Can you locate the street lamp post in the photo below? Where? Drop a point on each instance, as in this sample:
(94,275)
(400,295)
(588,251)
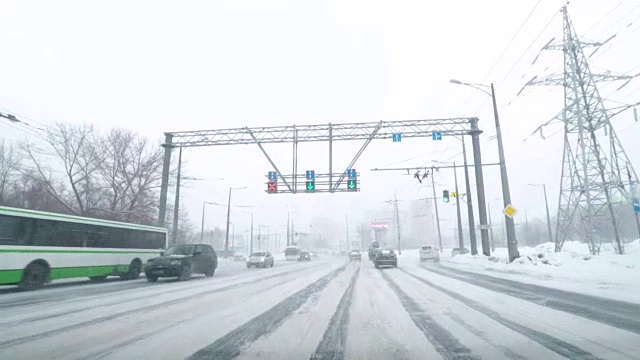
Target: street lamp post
(435,202)
(546,205)
(460,234)
(176,210)
(226,233)
(204,203)
(472,225)
(512,243)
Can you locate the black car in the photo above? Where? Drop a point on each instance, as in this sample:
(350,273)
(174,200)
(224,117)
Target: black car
(304,256)
(181,261)
(385,257)
(355,255)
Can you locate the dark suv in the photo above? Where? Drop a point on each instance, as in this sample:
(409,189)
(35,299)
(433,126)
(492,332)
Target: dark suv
(181,261)
(385,257)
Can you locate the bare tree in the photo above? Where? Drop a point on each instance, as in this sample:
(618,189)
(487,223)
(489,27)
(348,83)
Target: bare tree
(9,169)
(71,149)
(131,171)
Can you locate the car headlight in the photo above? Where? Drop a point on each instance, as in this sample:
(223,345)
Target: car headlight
(175,262)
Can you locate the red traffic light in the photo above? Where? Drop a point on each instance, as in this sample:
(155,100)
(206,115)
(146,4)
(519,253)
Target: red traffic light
(272,187)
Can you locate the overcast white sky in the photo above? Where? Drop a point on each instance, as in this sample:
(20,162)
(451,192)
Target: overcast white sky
(157,66)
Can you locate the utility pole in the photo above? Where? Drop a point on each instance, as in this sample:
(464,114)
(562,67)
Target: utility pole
(259,240)
(293,234)
(472,223)
(268,238)
(633,197)
(435,203)
(546,204)
(512,243)
(233,235)
(176,210)
(460,235)
(395,202)
(493,244)
(346,223)
(251,239)
(288,230)
(226,233)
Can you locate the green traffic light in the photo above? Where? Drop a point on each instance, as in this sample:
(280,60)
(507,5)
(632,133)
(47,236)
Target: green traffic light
(351,185)
(311,186)
(445,196)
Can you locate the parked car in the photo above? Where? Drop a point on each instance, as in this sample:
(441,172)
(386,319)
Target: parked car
(385,257)
(429,253)
(182,261)
(355,255)
(260,259)
(304,256)
(459,251)
(239,258)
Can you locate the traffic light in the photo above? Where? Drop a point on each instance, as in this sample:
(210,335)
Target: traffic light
(352,185)
(272,187)
(311,186)
(445,196)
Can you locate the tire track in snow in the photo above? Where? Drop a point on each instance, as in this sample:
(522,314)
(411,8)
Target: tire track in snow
(333,341)
(230,345)
(508,352)
(444,342)
(21,340)
(619,314)
(552,343)
(111,349)
(137,299)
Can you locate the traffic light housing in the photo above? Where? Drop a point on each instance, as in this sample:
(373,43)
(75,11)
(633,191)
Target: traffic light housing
(352,185)
(310,186)
(445,196)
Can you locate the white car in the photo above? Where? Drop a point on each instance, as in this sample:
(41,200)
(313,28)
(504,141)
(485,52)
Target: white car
(429,253)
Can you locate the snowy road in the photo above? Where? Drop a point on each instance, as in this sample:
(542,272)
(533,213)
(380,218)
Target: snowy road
(325,309)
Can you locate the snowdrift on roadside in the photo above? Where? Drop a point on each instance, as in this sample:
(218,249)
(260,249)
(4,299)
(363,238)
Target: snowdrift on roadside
(571,267)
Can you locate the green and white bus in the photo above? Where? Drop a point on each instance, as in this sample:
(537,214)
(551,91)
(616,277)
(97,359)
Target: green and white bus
(37,247)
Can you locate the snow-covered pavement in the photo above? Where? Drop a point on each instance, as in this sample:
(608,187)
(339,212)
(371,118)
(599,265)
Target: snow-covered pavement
(324,309)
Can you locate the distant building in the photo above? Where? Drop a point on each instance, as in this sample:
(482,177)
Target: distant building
(422,223)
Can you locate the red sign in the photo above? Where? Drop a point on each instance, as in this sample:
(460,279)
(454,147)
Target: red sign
(272,187)
(379,226)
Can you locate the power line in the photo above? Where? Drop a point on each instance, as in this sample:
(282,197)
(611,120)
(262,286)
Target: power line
(511,41)
(505,50)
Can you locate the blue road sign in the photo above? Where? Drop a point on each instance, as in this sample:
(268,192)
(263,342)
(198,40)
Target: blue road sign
(351,173)
(311,175)
(273,176)
(436,135)
(636,205)
(396,137)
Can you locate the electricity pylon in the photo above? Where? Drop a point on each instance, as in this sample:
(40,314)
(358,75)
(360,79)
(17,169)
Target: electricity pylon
(592,169)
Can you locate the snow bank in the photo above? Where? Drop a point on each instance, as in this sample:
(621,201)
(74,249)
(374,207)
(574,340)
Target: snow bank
(574,268)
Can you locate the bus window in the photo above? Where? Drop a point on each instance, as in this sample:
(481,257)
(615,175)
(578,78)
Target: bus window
(13,230)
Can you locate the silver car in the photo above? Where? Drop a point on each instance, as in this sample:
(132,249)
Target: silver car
(260,259)
(429,253)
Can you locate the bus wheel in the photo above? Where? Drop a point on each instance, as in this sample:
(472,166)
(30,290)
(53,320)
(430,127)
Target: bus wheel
(34,276)
(97,278)
(134,271)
